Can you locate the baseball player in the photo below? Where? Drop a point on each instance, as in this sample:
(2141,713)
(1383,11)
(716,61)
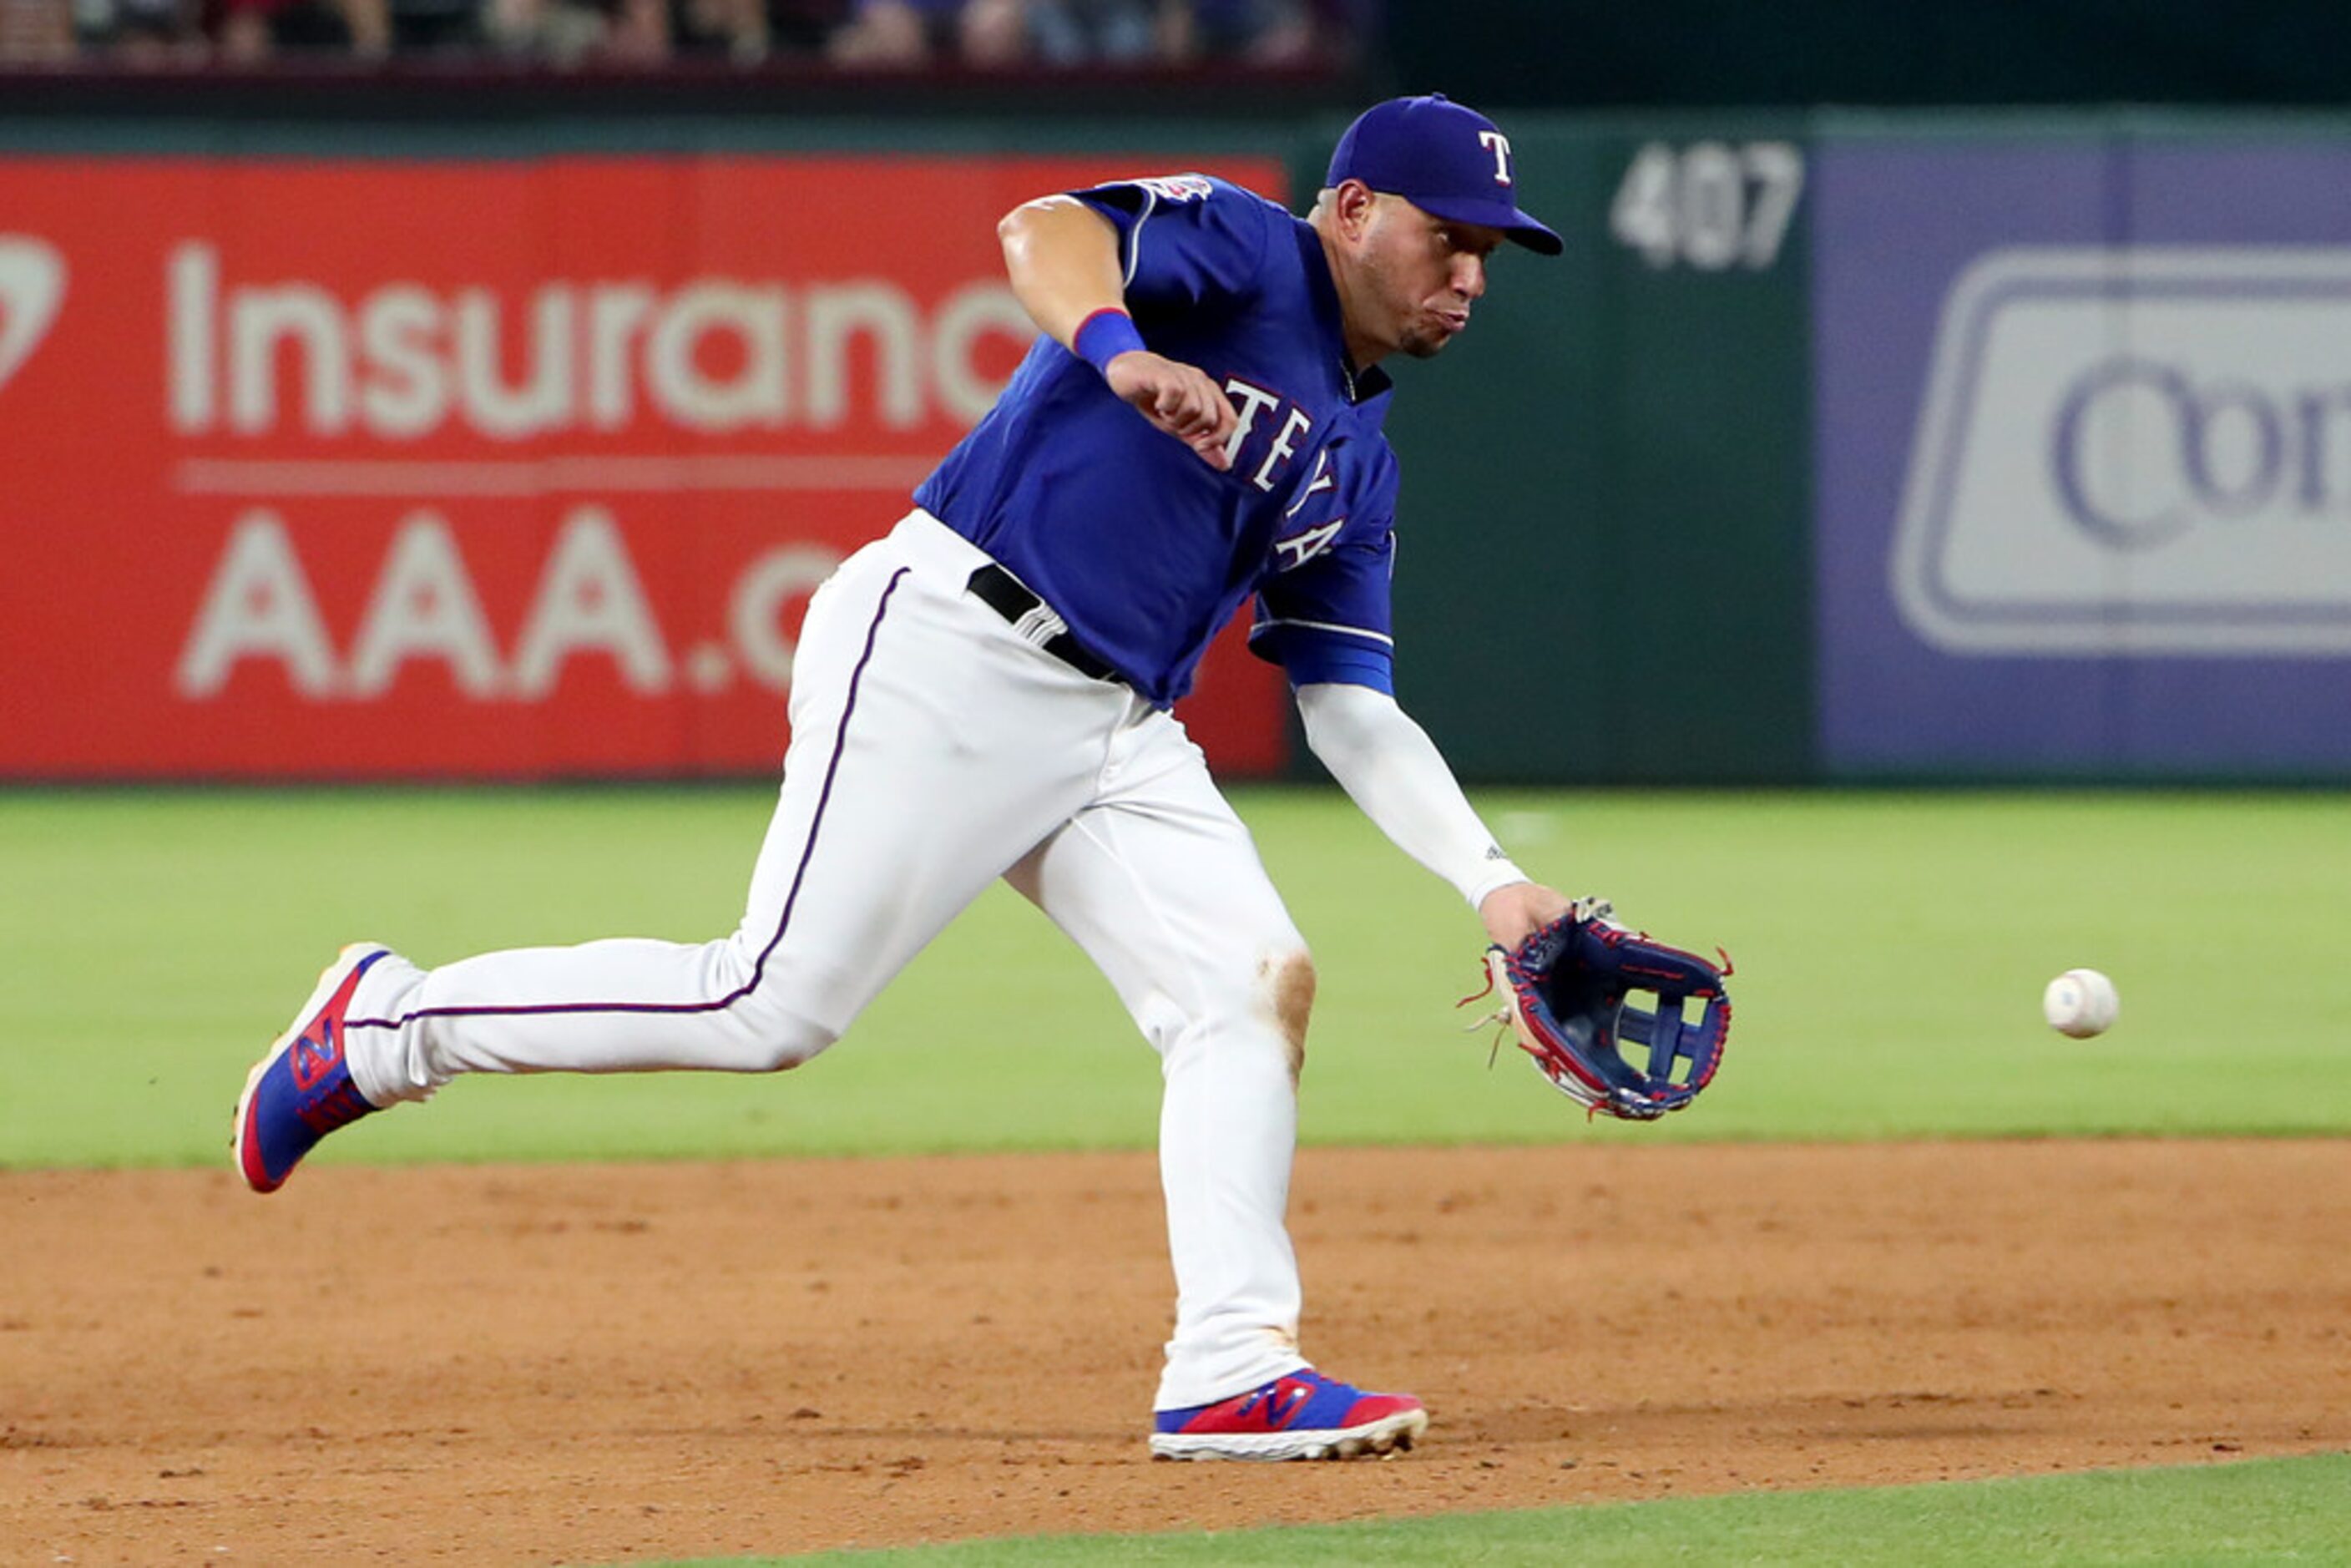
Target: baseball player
(984,693)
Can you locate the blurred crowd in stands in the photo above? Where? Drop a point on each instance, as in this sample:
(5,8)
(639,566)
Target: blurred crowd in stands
(852,34)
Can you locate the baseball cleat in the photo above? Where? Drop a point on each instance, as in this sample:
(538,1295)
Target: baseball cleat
(1303,1416)
(302,1089)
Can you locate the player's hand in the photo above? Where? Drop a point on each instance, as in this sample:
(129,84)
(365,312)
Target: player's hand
(1179,399)
(1514,912)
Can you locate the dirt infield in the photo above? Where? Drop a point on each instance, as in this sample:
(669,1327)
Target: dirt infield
(592,1364)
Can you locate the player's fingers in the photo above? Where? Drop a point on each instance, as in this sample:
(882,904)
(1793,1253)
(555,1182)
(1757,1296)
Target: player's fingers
(1168,413)
(1215,441)
(1205,409)
(1208,423)
(1195,394)
(1222,418)
(1189,407)
(1212,449)
(1175,408)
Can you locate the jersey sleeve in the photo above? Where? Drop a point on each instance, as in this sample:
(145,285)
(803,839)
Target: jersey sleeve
(1328,620)
(1186,239)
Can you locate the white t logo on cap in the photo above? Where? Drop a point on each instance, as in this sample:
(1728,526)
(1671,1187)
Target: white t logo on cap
(1499,144)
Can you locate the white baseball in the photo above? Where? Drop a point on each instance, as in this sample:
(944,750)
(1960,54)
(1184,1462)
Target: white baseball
(2081,1003)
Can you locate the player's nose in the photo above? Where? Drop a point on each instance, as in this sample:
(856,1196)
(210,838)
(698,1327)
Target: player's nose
(1470,276)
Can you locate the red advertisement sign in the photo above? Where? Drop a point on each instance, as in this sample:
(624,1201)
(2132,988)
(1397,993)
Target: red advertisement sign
(381,469)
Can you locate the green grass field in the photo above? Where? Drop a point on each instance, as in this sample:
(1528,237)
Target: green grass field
(1891,951)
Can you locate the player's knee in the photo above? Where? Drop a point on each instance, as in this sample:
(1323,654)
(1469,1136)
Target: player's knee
(1288,979)
(780,1049)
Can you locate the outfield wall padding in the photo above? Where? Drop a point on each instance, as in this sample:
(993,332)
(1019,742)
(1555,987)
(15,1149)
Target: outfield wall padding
(1837,448)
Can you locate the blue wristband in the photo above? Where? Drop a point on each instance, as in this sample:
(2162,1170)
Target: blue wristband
(1104,336)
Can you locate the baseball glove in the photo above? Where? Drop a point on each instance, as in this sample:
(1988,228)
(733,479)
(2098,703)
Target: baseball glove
(1565,996)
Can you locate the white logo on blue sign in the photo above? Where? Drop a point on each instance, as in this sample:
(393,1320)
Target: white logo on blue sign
(2136,450)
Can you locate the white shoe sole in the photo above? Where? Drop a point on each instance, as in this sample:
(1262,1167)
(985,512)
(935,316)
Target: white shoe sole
(329,978)
(1390,1434)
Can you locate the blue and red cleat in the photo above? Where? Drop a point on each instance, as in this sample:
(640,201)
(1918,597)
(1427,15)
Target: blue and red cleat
(302,1089)
(1303,1416)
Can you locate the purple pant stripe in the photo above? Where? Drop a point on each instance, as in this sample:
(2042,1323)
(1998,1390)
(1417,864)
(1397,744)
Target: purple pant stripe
(783,923)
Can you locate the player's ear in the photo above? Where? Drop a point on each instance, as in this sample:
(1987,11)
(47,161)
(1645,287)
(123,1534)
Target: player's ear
(1352,203)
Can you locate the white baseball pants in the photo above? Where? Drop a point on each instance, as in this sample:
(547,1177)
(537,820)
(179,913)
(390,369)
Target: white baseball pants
(932,750)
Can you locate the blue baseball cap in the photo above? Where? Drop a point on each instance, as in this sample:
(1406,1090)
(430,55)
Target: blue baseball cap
(1444,158)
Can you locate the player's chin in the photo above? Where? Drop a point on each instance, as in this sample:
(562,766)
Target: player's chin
(1427,343)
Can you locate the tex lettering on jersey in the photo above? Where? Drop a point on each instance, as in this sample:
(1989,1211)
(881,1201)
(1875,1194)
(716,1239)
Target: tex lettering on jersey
(1290,426)
(1301,544)
(1322,603)
(1291,553)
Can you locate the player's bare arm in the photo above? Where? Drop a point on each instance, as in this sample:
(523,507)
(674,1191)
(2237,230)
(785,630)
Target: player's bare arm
(1063,258)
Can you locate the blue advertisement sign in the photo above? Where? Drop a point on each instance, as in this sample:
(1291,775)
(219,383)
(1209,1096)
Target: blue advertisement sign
(2082,456)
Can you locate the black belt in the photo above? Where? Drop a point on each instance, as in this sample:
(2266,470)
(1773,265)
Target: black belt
(1011,598)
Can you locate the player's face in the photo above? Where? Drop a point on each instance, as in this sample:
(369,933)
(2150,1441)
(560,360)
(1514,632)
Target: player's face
(1424,274)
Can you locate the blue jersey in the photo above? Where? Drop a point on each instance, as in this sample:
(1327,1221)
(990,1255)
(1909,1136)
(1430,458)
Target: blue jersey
(1144,549)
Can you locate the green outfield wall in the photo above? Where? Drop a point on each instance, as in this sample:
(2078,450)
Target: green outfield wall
(1603,571)
(1837,446)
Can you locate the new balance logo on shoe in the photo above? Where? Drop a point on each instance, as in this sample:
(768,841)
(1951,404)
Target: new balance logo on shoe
(313,1059)
(1286,1403)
